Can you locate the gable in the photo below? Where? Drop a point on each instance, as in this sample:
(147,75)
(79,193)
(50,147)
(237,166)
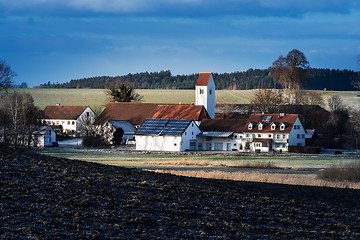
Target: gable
(66,112)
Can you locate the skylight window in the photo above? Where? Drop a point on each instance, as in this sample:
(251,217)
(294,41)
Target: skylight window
(267,118)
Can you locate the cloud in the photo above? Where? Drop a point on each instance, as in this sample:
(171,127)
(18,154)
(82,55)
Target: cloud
(193,8)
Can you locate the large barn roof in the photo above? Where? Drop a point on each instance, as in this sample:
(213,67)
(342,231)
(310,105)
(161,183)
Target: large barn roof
(179,111)
(66,112)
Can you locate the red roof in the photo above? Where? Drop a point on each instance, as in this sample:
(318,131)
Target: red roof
(66,112)
(222,125)
(288,120)
(203,79)
(136,113)
(181,111)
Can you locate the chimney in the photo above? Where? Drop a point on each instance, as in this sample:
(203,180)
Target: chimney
(282,114)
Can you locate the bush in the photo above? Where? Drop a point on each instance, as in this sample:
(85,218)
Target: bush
(304,149)
(92,141)
(349,172)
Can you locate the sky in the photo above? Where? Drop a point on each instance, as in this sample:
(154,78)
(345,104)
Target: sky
(61,40)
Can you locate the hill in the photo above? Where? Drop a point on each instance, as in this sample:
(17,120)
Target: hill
(319,79)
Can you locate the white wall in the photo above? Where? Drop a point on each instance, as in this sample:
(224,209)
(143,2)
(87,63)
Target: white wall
(294,140)
(168,142)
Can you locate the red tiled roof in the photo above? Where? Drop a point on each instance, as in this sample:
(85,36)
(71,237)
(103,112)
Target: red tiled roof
(136,113)
(63,112)
(288,119)
(181,111)
(223,125)
(203,79)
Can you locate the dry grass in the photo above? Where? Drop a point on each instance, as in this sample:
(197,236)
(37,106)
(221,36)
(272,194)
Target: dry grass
(291,179)
(349,172)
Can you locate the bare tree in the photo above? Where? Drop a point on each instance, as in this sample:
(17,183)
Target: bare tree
(21,115)
(356,81)
(6,74)
(267,101)
(290,71)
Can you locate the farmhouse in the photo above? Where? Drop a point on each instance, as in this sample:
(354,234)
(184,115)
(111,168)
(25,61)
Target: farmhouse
(267,132)
(167,135)
(66,120)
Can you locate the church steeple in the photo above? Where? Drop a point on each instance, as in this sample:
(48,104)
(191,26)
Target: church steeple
(205,92)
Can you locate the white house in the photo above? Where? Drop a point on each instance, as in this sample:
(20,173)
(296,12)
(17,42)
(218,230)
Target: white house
(167,135)
(66,119)
(45,136)
(205,93)
(273,132)
(221,135)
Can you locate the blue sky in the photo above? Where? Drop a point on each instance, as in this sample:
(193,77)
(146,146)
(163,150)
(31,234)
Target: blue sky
(60,40)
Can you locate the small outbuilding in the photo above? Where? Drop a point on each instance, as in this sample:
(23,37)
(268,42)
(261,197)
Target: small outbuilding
(45,136)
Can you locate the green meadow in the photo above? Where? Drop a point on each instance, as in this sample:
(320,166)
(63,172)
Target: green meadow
(97,98)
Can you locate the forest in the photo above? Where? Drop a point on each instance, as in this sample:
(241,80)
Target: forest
(319,79)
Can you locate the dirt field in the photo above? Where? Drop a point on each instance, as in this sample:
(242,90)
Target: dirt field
(44,197)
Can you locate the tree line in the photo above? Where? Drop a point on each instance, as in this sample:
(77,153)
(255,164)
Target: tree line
(318,79)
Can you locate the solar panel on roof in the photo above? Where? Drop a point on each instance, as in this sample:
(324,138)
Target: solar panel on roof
(152,126)
(175,127)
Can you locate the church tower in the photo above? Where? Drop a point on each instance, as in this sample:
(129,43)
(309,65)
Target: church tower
(205,93)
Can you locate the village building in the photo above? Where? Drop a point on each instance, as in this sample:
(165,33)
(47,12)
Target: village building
(273,132)
(127,117)
(44,136)
(66,119)
(221,135)
(167,135)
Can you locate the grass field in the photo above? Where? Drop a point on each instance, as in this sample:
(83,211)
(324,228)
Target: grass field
(285,169)
(97,98)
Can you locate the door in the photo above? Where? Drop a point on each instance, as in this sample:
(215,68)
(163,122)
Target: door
(208,146)
(228,147)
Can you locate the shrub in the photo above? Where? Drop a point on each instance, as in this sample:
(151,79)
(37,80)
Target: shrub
(349,172)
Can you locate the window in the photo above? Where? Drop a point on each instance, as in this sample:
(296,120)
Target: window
(284,136)
(250,126)
(247,135)
(210,91)
(192,143)
(257,145)
(259,135)
(87,114)
(302,135)
(270,135)
(192,133)
(282,127)
(273,127)
(264,144)
(253,136)
(208,139)
(260,127)
(185,133)
(234,144)
(277,136)
(201,91)
(68,122)
(298,135)
(73,123)
(175,144)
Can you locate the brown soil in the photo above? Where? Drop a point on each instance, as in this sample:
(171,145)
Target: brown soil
(45,197)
